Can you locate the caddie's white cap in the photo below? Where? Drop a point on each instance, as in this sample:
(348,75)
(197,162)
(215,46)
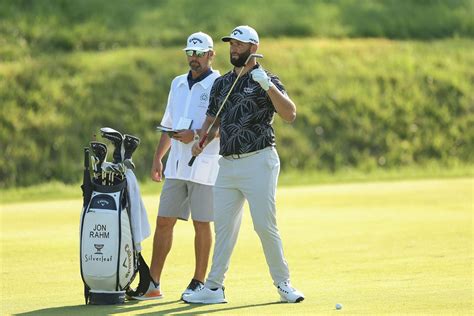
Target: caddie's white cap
(243,33)
(199,41)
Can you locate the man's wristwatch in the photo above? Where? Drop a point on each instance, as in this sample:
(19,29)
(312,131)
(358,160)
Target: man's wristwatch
(196,135)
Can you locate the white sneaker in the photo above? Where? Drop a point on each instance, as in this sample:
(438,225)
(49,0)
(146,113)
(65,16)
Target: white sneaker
(152,293)
(206,296)
(289,294)
(194,286)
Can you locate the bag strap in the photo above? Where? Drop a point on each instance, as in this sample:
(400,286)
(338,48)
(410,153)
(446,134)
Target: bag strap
(145,278)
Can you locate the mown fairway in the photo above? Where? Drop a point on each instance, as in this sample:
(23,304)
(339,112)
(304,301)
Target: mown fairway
(387,247)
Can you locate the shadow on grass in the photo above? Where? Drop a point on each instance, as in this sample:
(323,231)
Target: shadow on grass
(201,309)
(83,309)
(133,307)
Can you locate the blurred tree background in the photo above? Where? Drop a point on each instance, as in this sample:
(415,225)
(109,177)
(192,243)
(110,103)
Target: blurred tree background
(377,83)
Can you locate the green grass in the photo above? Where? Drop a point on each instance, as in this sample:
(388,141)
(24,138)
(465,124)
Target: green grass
(377,248)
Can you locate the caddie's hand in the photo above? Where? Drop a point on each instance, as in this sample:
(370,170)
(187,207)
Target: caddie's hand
(157,171)
(197,149)
(260,76)
(185,136)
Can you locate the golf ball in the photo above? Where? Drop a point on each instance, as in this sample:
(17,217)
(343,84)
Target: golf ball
(338,306)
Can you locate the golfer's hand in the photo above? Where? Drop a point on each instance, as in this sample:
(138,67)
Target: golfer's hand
(196,150)
(260,76)
(157,171)
(185,136)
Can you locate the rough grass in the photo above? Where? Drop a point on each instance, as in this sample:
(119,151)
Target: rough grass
(377,248)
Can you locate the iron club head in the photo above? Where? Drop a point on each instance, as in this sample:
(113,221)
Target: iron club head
(253,56)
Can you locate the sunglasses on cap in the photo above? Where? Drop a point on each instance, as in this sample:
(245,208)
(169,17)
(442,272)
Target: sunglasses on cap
(196,53)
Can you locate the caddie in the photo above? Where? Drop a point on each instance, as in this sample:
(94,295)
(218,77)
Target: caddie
(187,191)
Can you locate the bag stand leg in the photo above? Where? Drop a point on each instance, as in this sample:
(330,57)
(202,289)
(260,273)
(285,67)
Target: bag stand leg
(145,278)
(86,293)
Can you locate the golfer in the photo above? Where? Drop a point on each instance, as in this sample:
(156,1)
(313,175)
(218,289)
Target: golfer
(249,166)
(187,190)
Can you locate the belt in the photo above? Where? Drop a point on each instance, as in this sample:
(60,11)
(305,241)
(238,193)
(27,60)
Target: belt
(240,156)
(244,155)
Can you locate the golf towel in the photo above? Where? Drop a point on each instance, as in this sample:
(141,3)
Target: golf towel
(139,218)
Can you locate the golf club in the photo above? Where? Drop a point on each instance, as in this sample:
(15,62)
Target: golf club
(201,143)
(86,179)
(130,144)
(100,153)
(116,138)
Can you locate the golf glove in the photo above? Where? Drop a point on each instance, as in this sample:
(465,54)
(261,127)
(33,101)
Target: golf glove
(260,76)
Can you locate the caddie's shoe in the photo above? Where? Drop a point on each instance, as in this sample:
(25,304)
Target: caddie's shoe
(194,286)
(206,296)
(289,294)
(152,293)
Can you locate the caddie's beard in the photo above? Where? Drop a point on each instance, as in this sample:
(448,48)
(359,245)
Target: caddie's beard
(240,61)
(195,66)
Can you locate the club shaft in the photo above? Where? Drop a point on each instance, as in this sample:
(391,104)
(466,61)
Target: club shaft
(201,143)
(231,89)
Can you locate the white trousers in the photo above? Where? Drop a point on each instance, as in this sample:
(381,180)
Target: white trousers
(253,178)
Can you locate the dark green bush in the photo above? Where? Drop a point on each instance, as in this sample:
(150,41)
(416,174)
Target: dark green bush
(29,27)
(361,103)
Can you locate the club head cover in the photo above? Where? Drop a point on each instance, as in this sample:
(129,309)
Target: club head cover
(100,150)
(117,139)
(130,144)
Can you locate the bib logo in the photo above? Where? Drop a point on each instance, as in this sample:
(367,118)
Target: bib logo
(203,97)
(195,40)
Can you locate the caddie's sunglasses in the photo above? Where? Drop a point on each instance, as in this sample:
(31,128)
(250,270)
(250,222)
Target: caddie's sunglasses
(196,53)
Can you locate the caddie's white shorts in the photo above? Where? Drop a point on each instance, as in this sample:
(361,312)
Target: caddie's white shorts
(179,198)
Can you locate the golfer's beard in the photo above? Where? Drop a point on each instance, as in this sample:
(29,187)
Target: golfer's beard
(195,66)
(239,62)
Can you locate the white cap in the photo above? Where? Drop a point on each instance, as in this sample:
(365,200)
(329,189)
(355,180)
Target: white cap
(199,41)
(243,33)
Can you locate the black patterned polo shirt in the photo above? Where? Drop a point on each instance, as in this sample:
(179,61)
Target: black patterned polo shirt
(247,116)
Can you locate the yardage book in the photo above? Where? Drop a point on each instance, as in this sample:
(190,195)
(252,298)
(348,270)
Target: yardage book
(183,123)
(166,130)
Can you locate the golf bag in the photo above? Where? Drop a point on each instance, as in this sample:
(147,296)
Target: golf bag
(109,259)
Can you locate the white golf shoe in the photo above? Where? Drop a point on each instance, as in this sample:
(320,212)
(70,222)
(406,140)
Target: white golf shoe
(206,296)
(193,287)
(289,294)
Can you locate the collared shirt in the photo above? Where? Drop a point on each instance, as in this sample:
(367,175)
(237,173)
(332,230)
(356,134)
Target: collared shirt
(247,116)
(192,81)
(190,104)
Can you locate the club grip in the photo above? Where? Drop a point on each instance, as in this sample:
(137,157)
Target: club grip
(191,161)
(86,158)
